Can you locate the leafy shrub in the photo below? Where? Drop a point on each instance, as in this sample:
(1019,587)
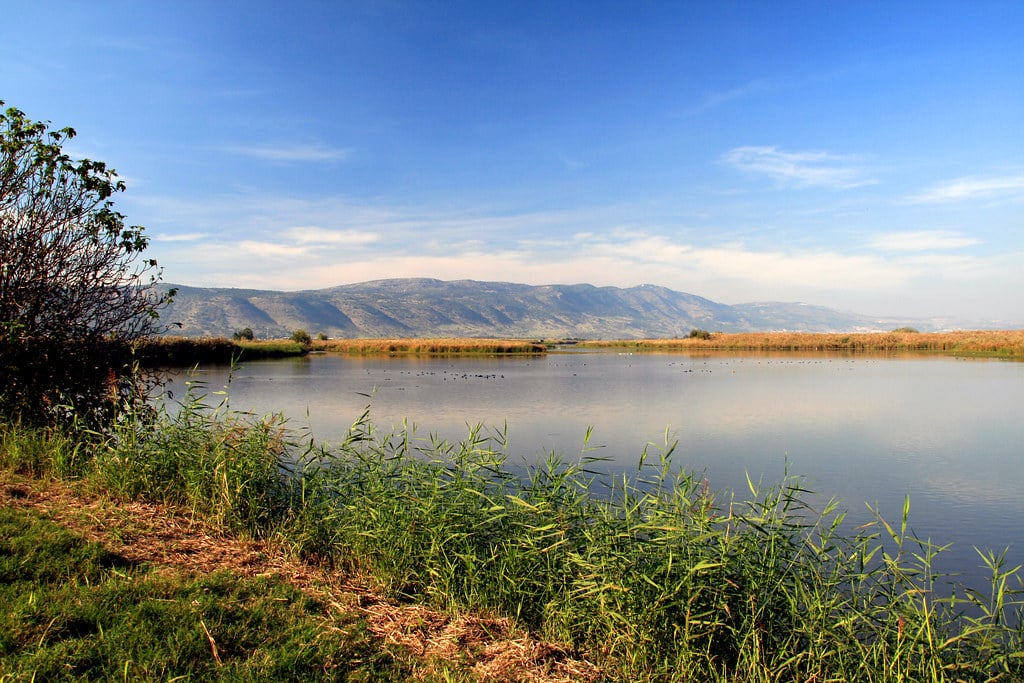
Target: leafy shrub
(74,296)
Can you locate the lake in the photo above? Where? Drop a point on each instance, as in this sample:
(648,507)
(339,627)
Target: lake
(867,429)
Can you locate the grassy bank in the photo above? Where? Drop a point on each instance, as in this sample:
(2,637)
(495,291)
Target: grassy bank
(459,346)
(1004,343)
(97,587)
(652,577)
(74,610)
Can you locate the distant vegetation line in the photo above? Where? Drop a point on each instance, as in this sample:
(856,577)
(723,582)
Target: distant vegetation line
(1005,343)
(428,346)
(183,351)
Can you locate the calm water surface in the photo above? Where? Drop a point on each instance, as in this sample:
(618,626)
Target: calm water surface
(947,431)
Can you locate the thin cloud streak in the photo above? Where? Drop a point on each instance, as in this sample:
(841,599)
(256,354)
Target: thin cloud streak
(767,269)
(181,237)
(291,153)
(338,219)
(970,189)
(720,98)
(316,235)
(922,241)
(799,169)
(271,249)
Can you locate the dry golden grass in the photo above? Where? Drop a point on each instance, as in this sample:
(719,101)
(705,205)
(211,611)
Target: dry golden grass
(428,346)
(1004,343)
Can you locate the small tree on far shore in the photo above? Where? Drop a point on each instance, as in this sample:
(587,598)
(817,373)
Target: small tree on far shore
(244,334)
(75,295)
(301,337)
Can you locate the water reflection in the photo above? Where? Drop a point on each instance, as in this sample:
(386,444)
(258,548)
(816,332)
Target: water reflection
(865,429)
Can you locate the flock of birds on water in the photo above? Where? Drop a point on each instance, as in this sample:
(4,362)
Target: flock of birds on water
(455,374)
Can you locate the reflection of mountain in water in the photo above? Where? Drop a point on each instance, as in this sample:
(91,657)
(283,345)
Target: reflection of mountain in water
(467,308)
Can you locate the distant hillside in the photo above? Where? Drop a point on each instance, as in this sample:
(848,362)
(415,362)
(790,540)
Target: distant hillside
(467,308)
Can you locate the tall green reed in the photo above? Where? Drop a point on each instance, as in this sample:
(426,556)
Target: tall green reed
(229,467)
(42,451)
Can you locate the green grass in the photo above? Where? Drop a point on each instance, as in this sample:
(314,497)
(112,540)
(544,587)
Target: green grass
(432,347)
(170,351)
(651,575)
(74,611)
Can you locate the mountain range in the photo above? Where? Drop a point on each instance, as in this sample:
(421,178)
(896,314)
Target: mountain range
(419,307)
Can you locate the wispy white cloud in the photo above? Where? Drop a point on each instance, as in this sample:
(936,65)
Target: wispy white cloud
(271,249)
(181,237)
(800,169)
(311,234)
(722,97)
(232,217)
(768,270)
(922,241)
(970,189)
(291,152)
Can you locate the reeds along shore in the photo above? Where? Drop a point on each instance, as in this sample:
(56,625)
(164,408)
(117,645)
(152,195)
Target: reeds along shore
(183,351)
(995,343)
(651,575)
(186,351)
(429,346)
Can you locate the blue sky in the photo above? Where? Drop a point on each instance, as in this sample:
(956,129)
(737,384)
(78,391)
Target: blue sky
(867,156)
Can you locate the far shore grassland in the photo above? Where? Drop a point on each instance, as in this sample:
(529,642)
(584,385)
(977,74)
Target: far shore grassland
(183,351)
(991,343)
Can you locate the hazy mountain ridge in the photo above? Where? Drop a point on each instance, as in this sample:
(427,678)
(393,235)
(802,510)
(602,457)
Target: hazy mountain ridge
(420,307)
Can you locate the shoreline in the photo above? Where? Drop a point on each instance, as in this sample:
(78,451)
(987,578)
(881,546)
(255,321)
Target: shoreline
(185,351)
